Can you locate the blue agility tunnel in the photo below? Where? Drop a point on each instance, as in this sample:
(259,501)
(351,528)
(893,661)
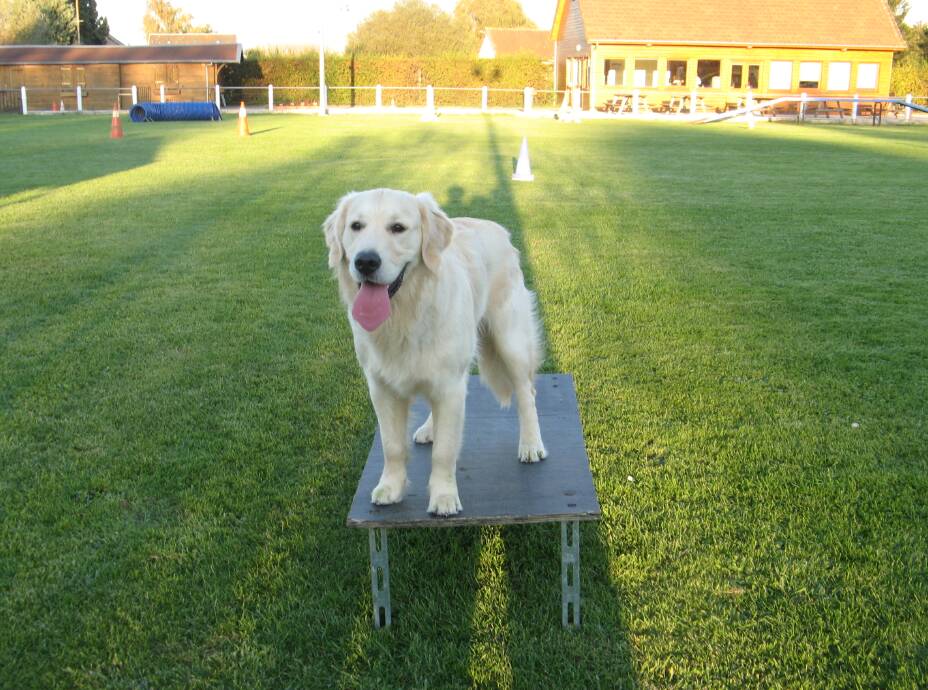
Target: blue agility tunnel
(164,112)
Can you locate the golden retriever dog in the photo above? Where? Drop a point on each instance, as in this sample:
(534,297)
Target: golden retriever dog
(425,295)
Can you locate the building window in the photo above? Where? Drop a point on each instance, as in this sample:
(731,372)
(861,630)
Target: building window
(867,75)
(810,75)
(645,73)
(839,76)
(740,81)
(614,72)
(676,73)
(709,73)
(66,76)
(781,75)
(736,74)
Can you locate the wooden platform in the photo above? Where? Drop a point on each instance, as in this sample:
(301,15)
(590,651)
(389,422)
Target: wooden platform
(495,488)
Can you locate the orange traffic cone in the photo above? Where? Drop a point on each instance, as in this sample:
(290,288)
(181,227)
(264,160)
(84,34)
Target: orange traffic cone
(116,127)
(54,106)
(243,121)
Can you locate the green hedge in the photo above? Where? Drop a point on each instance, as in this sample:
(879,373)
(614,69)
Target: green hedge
(261,69)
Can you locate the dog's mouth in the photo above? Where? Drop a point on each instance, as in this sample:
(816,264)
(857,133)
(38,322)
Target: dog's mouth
(372,303)
(392,287)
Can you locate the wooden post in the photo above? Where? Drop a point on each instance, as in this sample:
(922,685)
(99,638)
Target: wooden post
(908,111)
(854,109)
(802,106)
(22,94)
(378,96)
(80,99)
(270,98)
(161,92)
(135,94)
(484,98)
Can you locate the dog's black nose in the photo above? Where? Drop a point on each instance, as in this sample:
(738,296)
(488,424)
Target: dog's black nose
(367,262)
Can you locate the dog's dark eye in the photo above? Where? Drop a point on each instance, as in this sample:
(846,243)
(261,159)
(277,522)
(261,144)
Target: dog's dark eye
(397,228)
(356,225)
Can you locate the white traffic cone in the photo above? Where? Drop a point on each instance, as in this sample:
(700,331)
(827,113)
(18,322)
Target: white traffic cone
(523,166)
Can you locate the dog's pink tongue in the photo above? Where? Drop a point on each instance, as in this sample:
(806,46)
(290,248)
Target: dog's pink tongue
(372,306)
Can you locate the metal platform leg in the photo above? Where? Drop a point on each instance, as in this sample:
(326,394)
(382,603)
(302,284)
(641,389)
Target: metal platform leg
(380,577)
(570,573)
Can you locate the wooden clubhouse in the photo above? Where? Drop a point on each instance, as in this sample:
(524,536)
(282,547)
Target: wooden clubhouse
(719,49)
(53,73)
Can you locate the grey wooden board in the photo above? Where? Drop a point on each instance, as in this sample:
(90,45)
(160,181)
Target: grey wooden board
(495,488)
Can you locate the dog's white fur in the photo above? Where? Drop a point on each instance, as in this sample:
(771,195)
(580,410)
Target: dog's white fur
(463,295)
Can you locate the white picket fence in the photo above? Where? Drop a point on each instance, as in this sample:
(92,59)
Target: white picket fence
(383,99)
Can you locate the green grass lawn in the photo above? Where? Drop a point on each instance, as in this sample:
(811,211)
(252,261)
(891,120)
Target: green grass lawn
(183,423)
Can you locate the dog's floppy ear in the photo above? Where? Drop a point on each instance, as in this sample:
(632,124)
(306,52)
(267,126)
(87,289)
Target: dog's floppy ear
(333,227)
(437,230)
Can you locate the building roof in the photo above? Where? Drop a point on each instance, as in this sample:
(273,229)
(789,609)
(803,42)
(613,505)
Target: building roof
(514,41)
(187,39)
(92,55)
(782,23)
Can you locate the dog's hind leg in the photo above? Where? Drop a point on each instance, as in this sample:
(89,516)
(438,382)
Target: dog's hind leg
(515,330)
(392,416)
(424,433)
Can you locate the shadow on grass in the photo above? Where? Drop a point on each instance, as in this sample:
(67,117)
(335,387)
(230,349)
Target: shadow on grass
(61,154)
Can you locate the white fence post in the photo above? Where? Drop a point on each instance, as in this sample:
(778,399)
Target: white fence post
(135,94)
(378,96)
(854,109)
(22,93)
(484,98)
(270,98)
(429,113)
(802,106)
(80,99)
(635,95)
(693,98)
(908,111)
(161,92)
(218,101)
(528,95)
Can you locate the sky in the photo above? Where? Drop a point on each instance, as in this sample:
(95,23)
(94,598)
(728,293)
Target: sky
(280,22)
(286,22)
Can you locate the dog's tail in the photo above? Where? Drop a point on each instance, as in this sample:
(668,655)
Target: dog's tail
(493,371)
(523,343)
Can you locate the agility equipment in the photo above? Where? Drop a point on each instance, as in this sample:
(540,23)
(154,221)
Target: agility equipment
(116,126)
(164,112)
(243,130)
(495,488)
(523,166)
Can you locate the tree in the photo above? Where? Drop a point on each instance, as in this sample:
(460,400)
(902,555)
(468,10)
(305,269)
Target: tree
(94,30)
(37,22)
(412,27)
(162,17)
(495,14)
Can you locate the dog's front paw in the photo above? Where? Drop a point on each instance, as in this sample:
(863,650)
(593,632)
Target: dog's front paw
(532,452)
(387,492)
(445,503)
